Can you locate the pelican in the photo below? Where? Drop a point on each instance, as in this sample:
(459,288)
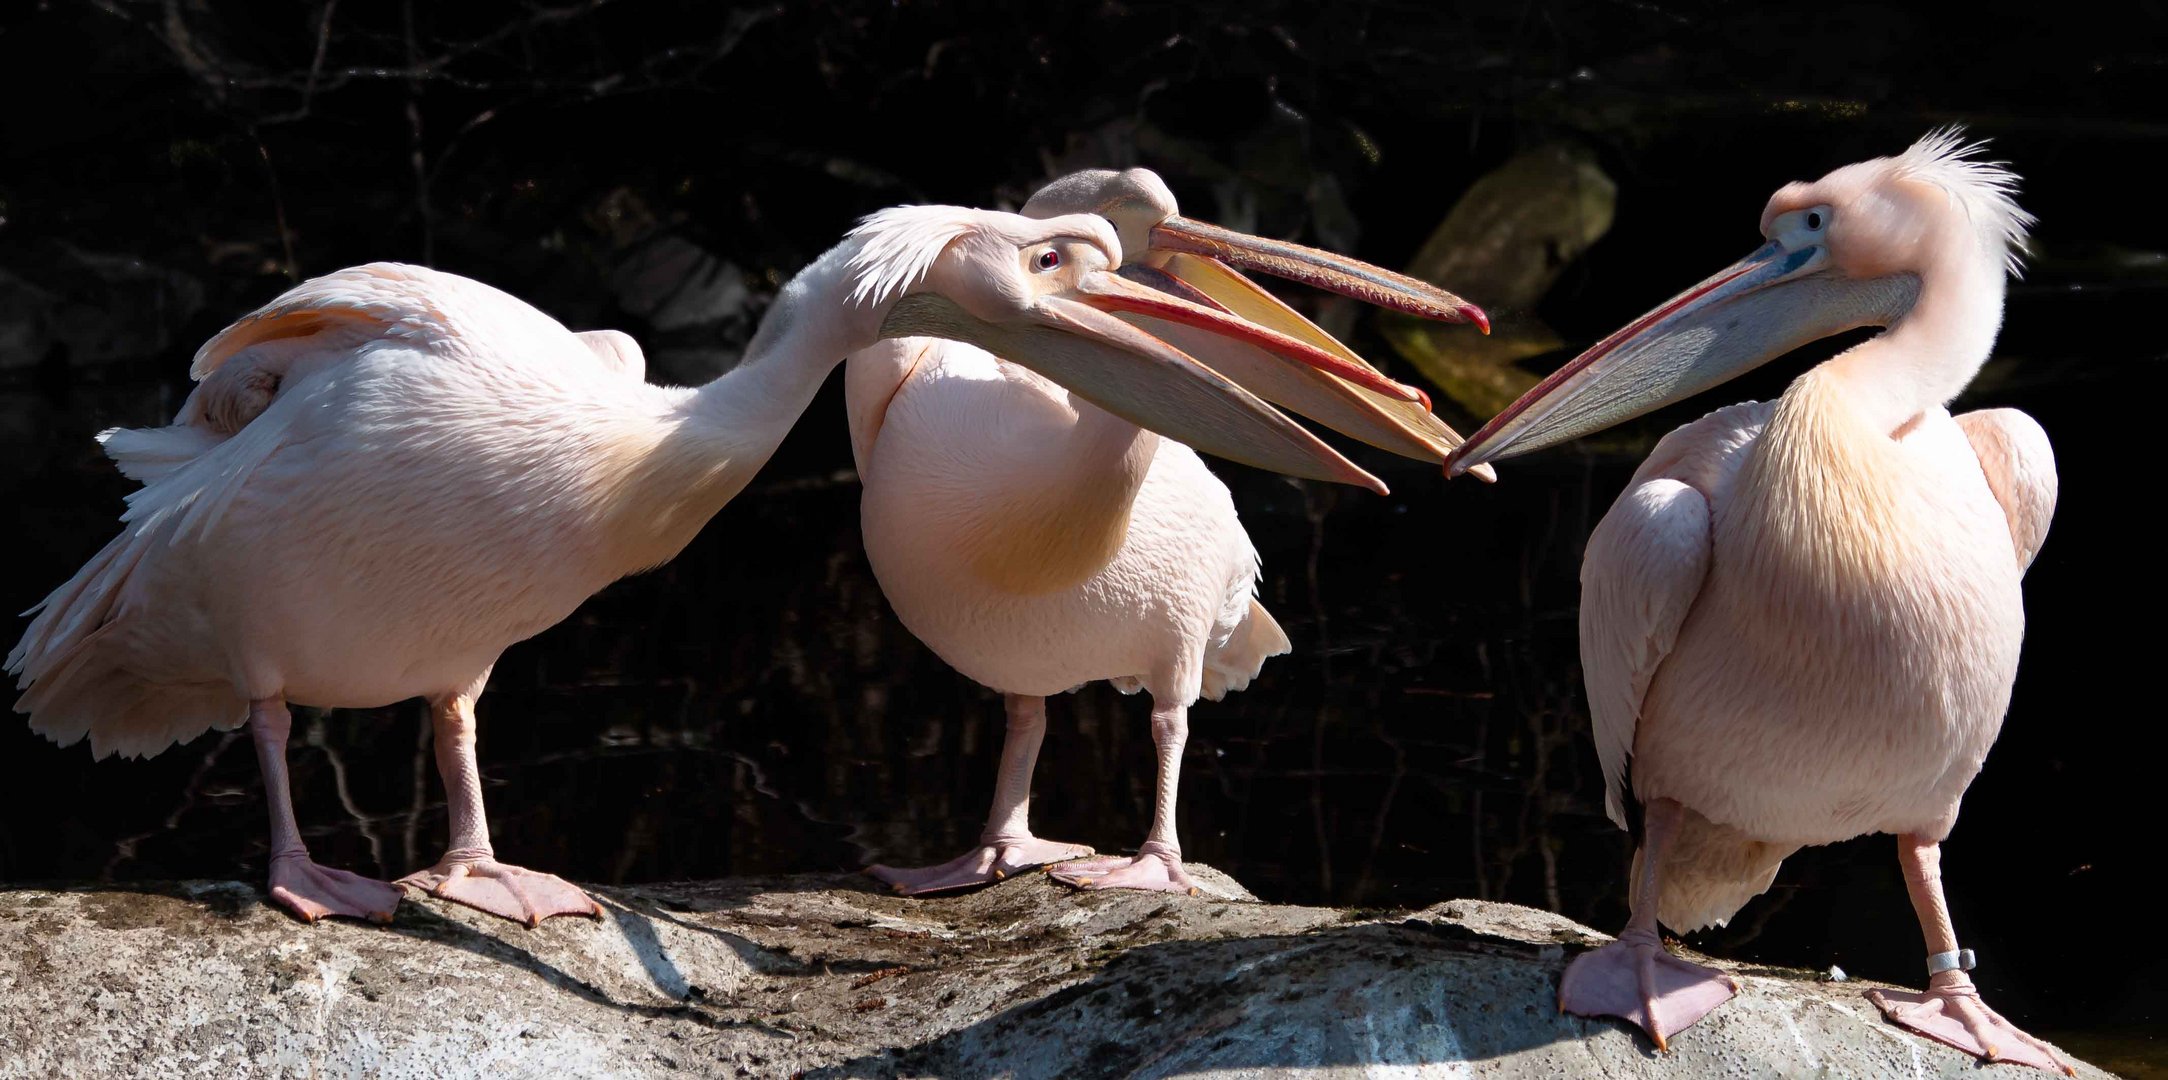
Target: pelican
(1038,543)
(1800,622)
(390,474)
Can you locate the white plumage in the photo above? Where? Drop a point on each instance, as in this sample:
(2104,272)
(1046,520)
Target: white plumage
(1025,503)
(248,567)
(1817,682)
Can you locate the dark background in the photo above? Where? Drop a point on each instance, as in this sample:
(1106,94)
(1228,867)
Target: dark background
(754,707)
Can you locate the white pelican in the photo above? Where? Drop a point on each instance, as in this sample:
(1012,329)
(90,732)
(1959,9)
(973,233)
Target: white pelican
(390,474)
(1037,543)
(1801,621)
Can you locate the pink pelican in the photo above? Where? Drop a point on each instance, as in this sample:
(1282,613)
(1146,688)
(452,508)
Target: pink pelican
(1800,623)
(1038,543)
(390,474)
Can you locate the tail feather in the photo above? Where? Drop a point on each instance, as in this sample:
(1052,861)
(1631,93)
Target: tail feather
(57,703)
(78,677)
(91,691)
(89,599)
(1711,871)
(75,610)
(1256,638)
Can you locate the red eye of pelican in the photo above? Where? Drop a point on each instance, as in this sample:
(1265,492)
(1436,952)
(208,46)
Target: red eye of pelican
(1049,259)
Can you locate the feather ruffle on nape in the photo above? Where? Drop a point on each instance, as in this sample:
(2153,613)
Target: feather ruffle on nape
(1987,190)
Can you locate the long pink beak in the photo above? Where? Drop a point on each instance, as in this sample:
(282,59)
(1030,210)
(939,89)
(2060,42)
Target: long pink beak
(1116,292)
(1350,397)
(1753,311)
(1317,268)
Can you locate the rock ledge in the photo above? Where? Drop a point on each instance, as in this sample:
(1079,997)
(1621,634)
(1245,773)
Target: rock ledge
(825,976)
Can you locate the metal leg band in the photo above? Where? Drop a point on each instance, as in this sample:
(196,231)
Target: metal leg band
(1954,960)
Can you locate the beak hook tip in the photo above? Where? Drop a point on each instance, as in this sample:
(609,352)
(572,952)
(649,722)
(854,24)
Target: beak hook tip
(1475,315)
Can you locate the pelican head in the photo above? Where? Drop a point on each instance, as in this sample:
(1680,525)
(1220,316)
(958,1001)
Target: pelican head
(1202,262)
(1921,239)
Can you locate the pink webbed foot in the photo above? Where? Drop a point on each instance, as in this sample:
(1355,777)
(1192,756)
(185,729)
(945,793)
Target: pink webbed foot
(312,892)
(1634,978)
(983,865)
(1156,868)
(1954,1015)
(512,892)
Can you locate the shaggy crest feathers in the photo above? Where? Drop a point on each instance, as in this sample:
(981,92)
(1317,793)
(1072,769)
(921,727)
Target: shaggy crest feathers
(898,246)
(1986,190)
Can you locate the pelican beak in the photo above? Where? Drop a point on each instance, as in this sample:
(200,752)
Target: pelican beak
(1162,298)
(1759,308)
(1203,262)
(1316,268)
(1137,376)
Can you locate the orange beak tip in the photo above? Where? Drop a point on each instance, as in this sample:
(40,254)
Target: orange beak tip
(1454,467)
(1475,315)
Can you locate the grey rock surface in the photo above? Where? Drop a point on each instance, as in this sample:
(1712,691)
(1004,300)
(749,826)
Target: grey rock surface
(826,976)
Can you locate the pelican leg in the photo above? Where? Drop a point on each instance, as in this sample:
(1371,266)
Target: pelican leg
(469,873)
(1157,865)
(1634,977)
(1007,846)
(1951,1011)
(297,883)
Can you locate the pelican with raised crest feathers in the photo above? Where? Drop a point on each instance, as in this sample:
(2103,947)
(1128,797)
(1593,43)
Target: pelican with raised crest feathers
(1801,621)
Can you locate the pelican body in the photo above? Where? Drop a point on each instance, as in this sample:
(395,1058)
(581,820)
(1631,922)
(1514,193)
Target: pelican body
(1038,543)
(390,474)
(1801,621)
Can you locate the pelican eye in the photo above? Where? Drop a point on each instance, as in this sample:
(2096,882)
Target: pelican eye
(1049,259)
(1814,219)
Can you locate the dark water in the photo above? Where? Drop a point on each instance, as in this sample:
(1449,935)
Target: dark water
(753,707)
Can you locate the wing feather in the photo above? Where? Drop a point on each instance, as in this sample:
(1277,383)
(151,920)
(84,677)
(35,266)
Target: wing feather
(2020,468)
(618,352)
(1645,565)
(256,377)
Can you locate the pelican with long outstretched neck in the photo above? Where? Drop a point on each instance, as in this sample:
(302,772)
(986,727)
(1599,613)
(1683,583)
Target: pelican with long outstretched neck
(1038,543)
(390,474)
(1801,621)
